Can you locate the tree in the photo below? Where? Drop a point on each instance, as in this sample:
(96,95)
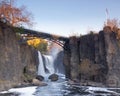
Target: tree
(14,15)
(39,44)
(112,23)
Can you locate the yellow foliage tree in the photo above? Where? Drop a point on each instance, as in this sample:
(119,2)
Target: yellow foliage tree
(39,44)
(34,42)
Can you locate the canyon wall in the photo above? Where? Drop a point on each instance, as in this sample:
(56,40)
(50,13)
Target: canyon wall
(17,61)
(93,58)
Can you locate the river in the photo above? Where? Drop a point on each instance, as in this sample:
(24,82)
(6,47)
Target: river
(62,88)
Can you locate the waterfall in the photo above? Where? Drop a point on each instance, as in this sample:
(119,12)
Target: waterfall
(41,70)
(49,64)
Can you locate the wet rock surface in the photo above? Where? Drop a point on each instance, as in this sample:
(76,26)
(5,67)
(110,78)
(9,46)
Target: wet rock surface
(40,78)
(37,82)
(53,77)
(10,94)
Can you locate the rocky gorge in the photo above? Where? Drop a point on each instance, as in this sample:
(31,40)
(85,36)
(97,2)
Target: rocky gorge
(92,59)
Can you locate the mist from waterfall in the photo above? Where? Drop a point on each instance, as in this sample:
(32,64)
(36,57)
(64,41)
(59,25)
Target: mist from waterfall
(49,64)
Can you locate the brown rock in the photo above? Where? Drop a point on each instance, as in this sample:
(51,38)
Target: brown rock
(36,82)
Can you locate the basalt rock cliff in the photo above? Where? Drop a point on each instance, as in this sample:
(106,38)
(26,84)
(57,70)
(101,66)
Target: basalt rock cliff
(94,58)
(17,61)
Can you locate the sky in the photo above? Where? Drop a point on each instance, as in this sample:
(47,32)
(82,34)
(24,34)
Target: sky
(71,17)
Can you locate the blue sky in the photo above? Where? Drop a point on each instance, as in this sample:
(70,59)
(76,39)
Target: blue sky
(68,17)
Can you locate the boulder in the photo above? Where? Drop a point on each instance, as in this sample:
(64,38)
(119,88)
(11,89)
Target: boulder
(9,94)
(40,78)
(53,77)
(36,82)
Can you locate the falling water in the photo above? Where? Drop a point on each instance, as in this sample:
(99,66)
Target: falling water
(49,64)
(41,70)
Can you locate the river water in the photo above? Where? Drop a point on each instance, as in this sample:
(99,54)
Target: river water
(62,88)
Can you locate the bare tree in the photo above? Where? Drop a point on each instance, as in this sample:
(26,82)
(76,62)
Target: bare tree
(112,23)
(15,15)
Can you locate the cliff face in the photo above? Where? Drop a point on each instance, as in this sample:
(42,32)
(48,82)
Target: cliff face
(94,58)
(92,52)
(14,58)
(112,58)
(58,63)
(29,61)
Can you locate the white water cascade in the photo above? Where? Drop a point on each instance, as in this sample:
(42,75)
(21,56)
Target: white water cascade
(47,63)
(41,65)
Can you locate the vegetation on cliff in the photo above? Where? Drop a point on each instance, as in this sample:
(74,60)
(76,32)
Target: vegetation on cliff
(39,44)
